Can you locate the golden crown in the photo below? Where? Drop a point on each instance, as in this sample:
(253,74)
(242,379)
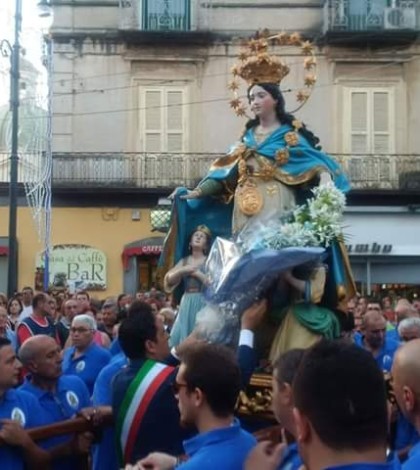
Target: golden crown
(204,229)
(257,65)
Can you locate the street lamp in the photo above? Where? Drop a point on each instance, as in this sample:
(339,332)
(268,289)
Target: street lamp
(13,51)
(45,13)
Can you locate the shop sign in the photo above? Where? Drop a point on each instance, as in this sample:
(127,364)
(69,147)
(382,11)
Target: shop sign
(80,267)
(369,249)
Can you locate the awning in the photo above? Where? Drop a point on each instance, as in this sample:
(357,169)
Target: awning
(146,246)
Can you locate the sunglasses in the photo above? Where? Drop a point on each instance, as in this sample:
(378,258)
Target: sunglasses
(176,387)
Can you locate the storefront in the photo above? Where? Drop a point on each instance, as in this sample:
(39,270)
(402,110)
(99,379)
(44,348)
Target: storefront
(384,248)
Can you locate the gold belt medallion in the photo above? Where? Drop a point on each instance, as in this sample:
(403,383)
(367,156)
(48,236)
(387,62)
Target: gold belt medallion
(249,198)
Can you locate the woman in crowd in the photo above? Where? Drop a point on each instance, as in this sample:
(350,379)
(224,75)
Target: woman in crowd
(14,309)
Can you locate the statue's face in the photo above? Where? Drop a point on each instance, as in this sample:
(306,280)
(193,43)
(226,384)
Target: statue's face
(199,240)
(262,103)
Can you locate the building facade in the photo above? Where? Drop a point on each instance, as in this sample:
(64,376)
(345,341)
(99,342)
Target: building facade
(141,105)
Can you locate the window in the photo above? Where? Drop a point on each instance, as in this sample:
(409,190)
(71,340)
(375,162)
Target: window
(164,15)
(163,119)
(369,120)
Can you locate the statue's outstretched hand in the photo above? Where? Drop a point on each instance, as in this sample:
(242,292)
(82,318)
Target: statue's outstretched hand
(194,194)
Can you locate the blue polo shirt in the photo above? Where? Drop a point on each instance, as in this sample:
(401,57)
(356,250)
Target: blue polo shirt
(105,453)
(291,459)
(393,335)
(24,408)
(413,461)
(88,365)
(405,433)
(218,449)
(70,397)
(385,358)
(391,465)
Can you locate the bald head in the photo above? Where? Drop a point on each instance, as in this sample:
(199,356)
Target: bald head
(373,317)
(34,347)
(374,329)
(407,363)
(406,379)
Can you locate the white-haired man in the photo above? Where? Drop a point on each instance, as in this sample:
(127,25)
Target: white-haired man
(85,358)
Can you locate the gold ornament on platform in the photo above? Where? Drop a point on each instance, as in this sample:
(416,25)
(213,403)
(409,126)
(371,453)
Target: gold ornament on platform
(257,65)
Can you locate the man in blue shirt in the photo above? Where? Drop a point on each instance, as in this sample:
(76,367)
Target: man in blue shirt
(104,452)
(18,412)
(340,411)
(374,340)
(60,397)
(207,386)
(406,382)
(84,359)
(144,341)
(284,371)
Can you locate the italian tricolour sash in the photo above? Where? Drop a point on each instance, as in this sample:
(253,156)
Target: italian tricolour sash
(135,403)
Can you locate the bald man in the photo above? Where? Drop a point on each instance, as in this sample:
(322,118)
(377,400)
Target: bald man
(406,377)
(373,339)
(60,397)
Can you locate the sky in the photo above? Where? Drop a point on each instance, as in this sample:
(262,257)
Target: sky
(30,39)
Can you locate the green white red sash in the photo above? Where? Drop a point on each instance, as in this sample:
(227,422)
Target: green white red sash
(135,404)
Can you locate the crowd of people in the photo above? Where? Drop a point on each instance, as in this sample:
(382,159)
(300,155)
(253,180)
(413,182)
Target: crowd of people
(176,408)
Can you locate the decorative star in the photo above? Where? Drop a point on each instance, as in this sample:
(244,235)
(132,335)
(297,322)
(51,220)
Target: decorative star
(233,85)
(240,111)
(295,39)
(307,47)
(310,80)
(302,95)
(235,71)
(243,55)
(235,103)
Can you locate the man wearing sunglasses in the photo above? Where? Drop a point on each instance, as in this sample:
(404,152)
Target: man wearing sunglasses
(144,405)
(207,386)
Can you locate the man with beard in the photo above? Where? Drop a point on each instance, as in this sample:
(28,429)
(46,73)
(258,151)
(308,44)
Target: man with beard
(207,386)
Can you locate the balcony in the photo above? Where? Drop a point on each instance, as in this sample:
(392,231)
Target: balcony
(143,171)
(155,15)
(373,22)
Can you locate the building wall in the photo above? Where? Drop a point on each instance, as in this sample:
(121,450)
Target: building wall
(97,76)
(107,229)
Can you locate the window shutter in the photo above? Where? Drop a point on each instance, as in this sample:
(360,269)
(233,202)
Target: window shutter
(153,136)
(174,120)
(359,122)
(381,137)
(162,119)
(369,125)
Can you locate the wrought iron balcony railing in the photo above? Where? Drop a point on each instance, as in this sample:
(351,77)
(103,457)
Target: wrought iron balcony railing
(155,15)
(371,15)
(154,171)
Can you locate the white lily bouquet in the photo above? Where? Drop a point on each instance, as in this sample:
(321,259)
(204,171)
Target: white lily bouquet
(316,223)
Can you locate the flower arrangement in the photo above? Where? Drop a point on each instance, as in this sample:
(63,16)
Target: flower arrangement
(316,223)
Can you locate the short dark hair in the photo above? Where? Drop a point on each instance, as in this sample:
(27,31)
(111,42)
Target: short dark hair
(286,365)
(83,292)
(341,390)
(136,329)
(4,342)
(28,288)
(213,369)
(38,298)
